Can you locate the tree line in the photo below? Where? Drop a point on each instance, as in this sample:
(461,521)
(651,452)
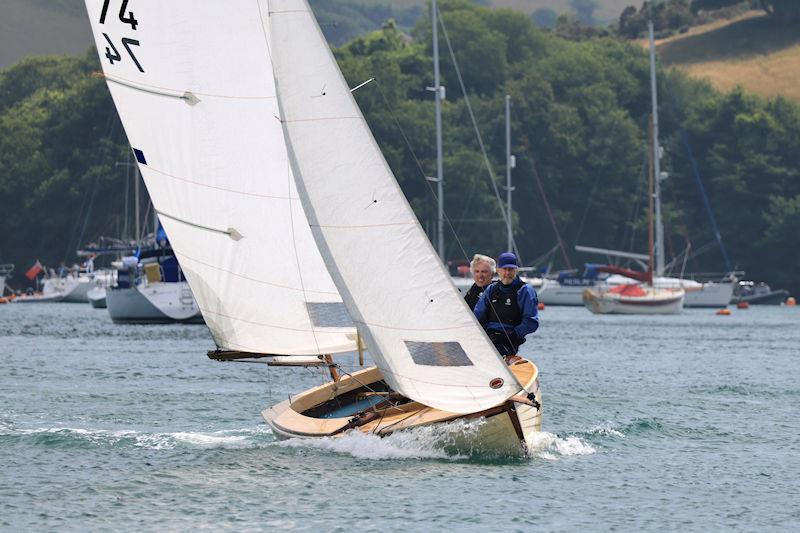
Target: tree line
(579,126)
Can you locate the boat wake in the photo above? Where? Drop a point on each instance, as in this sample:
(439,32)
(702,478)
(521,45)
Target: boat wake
(440,441)
(551,447)
(63,437)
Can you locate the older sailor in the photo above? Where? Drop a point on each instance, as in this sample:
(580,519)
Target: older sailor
(508,308)
(482,268)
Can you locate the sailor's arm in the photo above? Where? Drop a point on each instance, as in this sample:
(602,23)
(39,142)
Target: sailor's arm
(529,305)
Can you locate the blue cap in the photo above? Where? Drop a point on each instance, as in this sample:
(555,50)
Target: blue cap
(507,260)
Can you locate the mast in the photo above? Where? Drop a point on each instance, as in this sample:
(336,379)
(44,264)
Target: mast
(509,165)
(155,222)
(651,157)
(438,92)
(136,180)
(659,224)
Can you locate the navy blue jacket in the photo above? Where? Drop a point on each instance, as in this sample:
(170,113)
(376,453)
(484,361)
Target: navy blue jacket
(526,300)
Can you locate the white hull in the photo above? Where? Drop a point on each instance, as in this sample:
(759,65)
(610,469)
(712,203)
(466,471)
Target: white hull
(74,289)
(655,302)
(554,293)
(97,297)
(155,303)
(40,298)
(711,294)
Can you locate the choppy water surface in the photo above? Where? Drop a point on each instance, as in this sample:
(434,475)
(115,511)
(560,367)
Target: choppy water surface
(687,422)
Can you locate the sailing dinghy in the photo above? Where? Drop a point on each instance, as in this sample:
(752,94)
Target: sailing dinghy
(283,212)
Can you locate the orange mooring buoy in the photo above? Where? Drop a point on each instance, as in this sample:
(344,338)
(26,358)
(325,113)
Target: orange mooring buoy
(724,312)
(743,305)
(541,306)
(790,301)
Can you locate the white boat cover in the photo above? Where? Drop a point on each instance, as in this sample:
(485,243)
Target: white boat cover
(421,333)
(194,87)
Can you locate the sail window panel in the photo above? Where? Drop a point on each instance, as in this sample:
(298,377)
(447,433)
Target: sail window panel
(139,156)
(329,315)
(438,353)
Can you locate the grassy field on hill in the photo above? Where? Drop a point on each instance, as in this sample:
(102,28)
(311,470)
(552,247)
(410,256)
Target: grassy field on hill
(41,27)
(607,10)
(751,51)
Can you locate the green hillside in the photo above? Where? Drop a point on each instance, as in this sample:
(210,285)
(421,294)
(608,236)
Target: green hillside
(579,122)
(36,27)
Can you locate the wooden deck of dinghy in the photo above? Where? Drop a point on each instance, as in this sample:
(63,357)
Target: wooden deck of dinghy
(287,418)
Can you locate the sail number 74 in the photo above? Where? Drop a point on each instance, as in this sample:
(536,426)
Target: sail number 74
(112,54)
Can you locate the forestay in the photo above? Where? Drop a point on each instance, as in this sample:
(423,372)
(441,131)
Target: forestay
(418,329)
(193,85)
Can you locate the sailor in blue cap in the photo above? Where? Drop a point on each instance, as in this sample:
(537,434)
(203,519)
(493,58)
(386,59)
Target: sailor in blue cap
(508,309)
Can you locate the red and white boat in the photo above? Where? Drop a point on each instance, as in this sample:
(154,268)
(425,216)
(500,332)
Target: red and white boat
(634,299)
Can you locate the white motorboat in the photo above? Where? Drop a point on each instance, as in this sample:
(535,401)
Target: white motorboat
(73,288)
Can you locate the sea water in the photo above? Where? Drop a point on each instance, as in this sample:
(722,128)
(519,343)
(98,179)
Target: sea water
(686,422)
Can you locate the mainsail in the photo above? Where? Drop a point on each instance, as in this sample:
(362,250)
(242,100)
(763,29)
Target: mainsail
(420,332)
(193,84)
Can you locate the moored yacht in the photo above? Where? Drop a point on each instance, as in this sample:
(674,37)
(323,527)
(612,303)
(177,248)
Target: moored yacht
(74,286)
(151,289)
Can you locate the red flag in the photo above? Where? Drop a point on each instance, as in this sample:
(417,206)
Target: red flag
(34,270)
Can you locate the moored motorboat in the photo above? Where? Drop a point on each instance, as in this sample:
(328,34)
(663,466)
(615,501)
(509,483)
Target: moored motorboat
(758,294)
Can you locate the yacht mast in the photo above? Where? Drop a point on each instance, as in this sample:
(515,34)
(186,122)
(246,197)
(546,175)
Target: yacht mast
(659,229)
(136,179)
(438,92)
(510,163)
